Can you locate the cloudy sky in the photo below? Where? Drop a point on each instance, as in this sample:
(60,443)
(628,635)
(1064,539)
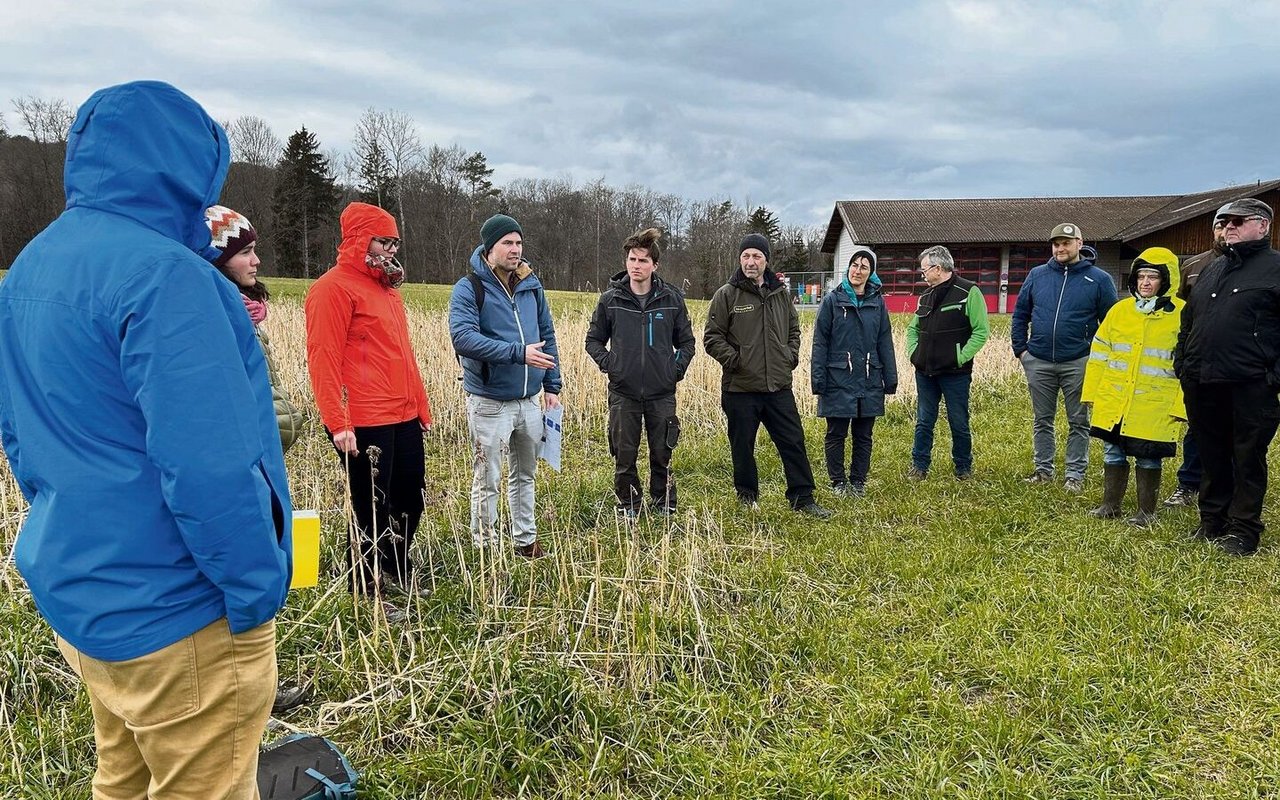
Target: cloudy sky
(793,107)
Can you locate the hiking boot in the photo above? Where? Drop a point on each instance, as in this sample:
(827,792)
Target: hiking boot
(814,510)
(748,501)
(1039,476)
(857,490)
(405,589)
(659,510)
(917,474)
(1115,481)
(289,696)
(1184,495)
(964,475)
(1148,486)
(530,551)
(1207,533)
(630,515)
(395,614)
(1237,544)
(1073,485)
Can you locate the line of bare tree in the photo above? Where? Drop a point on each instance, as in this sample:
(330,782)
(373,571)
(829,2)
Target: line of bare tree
(293,191)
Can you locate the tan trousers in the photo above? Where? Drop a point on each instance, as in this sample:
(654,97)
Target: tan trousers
(185,721)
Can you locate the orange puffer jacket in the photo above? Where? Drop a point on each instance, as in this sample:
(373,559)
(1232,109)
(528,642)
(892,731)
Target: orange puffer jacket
(358,336)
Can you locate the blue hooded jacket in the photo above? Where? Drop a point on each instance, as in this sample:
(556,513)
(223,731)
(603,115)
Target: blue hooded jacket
(135,409)
(1064,307)
(491,342)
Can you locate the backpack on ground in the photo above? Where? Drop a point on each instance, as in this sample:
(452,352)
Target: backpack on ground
(305,767)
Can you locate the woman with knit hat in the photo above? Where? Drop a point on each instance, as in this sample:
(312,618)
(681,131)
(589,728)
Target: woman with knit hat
(371,397)
(852,369)
(237,242)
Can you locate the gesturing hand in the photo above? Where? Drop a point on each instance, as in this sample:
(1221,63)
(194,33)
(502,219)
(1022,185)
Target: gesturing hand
(534,357)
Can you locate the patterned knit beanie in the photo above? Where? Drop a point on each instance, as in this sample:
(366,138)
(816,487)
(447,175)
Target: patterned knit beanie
(231,232)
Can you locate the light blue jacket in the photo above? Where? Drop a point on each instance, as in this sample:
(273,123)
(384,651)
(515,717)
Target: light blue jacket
(490,342)
(134,404)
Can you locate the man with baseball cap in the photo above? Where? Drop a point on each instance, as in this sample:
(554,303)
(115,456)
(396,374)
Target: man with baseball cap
(1059,308)
(1228,360)
(507,347)
(753,330)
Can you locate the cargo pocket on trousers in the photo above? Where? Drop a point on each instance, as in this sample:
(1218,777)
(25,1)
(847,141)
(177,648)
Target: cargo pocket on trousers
(673,433)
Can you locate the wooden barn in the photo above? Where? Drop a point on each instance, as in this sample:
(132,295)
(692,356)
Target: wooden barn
(997,241)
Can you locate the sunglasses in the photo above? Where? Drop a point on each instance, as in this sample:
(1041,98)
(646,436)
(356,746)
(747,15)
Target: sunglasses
(388,242)
(1236,222)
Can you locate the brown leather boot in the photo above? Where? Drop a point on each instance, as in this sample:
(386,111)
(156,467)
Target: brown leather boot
(1115,480)
(1148,482)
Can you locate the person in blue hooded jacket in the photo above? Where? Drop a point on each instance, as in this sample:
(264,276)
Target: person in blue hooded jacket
(1059,308)
(502,331)
(157,545)
(852,368)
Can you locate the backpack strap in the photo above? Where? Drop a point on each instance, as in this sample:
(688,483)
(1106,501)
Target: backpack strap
(477,288)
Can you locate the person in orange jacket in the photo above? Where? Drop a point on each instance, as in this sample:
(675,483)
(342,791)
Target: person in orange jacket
(370,396)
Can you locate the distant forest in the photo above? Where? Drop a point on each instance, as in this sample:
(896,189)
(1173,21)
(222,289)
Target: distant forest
(293,192)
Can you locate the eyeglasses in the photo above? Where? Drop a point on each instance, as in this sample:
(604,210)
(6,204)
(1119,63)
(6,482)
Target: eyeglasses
(926,270)
(855,267)
(389,242)
(1236,222)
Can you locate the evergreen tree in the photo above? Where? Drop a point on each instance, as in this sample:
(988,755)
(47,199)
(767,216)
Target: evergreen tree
(304,205)
(763,221)
(475,174)
(378,181)
(795,256)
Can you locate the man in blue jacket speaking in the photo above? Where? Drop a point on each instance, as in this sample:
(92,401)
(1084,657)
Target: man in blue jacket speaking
(136,415)
(502,331)
(1063,302)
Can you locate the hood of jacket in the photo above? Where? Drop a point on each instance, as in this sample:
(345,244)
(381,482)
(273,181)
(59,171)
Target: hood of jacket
(1161,259)
(361,222)
(142,150)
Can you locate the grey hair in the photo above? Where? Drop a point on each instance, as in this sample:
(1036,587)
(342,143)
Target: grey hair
(940,257)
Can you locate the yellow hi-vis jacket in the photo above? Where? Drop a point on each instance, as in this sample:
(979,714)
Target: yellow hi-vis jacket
(1129,377)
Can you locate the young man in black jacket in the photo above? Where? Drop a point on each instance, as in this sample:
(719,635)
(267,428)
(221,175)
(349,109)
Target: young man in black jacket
(1228,360)
(641,338)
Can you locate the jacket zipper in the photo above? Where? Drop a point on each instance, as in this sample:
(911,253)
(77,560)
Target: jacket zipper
(1053,336)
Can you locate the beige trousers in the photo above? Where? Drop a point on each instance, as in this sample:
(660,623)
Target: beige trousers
(185,721)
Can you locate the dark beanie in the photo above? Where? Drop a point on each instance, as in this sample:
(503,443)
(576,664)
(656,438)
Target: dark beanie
(755,240)
(230,232)
(495,227)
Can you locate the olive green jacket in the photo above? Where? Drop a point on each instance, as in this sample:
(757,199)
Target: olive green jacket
(754,332)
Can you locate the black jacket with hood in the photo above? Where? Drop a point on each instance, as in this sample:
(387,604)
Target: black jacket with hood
(643,345)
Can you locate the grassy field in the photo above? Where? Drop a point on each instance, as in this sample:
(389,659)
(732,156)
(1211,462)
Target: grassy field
(942,639)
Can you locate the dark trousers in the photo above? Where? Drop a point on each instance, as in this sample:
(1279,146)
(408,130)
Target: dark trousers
(387,478)
(930,391)
(777,411)
(657,419)
(1233,424)
(1189,472)
(860,459)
